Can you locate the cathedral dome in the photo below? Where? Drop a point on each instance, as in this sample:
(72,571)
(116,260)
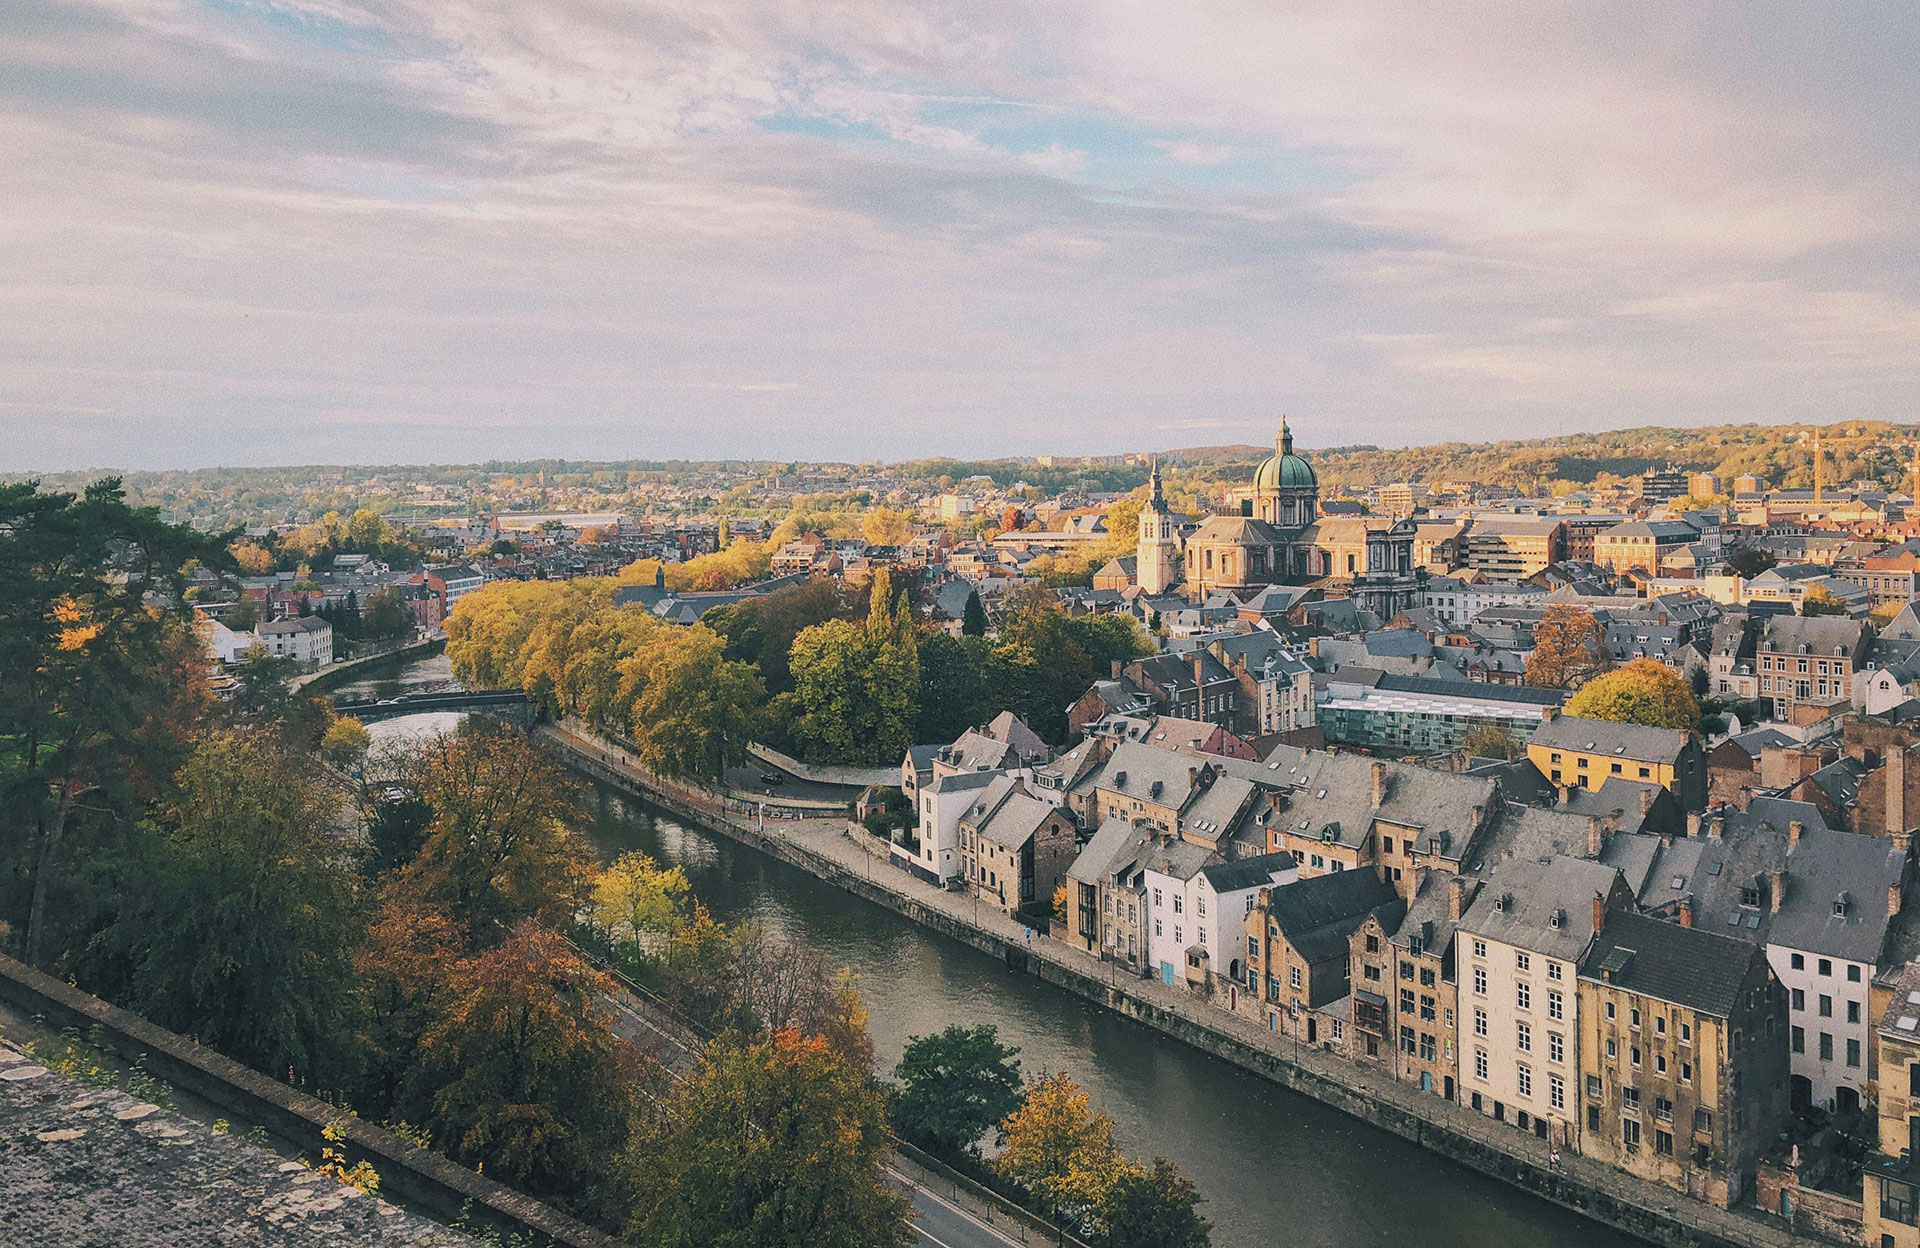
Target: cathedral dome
(1283,470)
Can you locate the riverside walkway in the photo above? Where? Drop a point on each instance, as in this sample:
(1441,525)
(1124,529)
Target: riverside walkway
(846,855)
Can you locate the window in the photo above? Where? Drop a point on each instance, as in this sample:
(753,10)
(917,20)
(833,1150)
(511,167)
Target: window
(1479,948)
(1633,1054)
(1178,939)
(1660,1024)
(1373,943)
(1703,1120)
(1686,1072)
(1659,1063)
(1253,946)
(1799,999)
(1826,1006)
(1662,1109)
(1609,1009)
(1480,1064)
(1557,1092)
(1853,1011)
(1663,1142)
(1630,1099)
(1523,996)
(1406,969)
(1372,971)
(1826,1047)
(1853,1052)
(1630,1133)
(1426,1008)
(1406,1040)
(1799,1040)
(1480,981)
(1799,961)
(1556,1047)
(1853,974)
(1553,970)
(1913,1079)
(1293,976)
(1593,1087)
(1523,1037)
(1480,1029)
(1554,1004)
(1826,966)
(1406,1000)
(1156,898)
(1899,1202)
(1613,1050)
(1521,962)
(1429,1049)
(1633,1019)
(1177,899)
(1427,977)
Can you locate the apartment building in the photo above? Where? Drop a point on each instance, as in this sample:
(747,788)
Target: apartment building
(1586,753)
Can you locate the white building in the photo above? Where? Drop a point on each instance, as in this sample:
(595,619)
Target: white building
(1454,602)
(307,640)
(942,802)
(1518,954)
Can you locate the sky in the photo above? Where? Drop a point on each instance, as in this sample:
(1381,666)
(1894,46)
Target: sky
(377,231)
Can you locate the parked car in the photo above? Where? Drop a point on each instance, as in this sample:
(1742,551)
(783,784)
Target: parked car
(772,777)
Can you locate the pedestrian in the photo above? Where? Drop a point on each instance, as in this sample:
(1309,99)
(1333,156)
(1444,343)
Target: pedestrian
(1553,1158)
(1029,932)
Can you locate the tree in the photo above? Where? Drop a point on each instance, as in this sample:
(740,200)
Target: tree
(90,691)
(1490,740)
(1567,646)
(386,616)
(368,532)
(521,1075)
(500,846)
(1645,691)
(855,688)
(251,558)
(246,917)
(973,618)
(1157,1208)
(959,1083)
(634,900)
(1819,600)
(242,616)
(883,526)
(776,1144)
(1058,1148)
(952,686)
(345,742)
(1749,561)
(693,711)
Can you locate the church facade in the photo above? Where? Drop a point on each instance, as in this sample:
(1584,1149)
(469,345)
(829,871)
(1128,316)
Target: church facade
(1280,537)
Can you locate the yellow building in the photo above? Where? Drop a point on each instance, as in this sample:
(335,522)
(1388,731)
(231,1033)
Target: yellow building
(1586,753)
(1892,1187)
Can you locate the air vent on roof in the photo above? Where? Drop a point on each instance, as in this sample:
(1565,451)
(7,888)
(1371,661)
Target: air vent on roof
(1321,793)
(1906,1022)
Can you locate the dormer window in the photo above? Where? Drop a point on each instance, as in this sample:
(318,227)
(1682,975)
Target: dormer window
(1840,906)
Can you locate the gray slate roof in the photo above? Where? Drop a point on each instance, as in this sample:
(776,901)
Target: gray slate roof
(1519,903)
(1603,736)
(1688,966)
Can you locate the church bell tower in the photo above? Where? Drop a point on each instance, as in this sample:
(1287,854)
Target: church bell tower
(1156,562)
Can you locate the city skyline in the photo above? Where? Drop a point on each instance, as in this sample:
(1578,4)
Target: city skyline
(335,232)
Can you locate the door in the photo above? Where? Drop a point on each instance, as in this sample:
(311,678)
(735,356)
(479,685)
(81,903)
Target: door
(1313,1030)
(1448,1086)
(1800,1094)
(1426,1081)
(1166,973)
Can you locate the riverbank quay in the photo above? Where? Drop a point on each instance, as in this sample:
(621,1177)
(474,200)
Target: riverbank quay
(857,863)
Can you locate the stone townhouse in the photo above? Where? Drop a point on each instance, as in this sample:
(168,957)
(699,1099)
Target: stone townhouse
(1683,1056)
(1299,938)
(1106,893)
(1891,1199)
(1809,659)
(1520,945)
(1194,685)
(1015,849)
(1276,689)
(1403,981)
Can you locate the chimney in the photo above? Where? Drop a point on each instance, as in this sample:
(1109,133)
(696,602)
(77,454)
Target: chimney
(1693,824)
(1794,829)
(1613,820)
(1549,713)
(1379,785)
(1199,680)
(1896,769)
(1193,777)
(1893,899)
(1456,897)
(1596,838)
(1777,884)
(1599,913)
(1646,802)
(1686,912)
(1560,791)
(1116,669)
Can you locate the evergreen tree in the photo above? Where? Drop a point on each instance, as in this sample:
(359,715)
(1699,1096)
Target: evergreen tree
(973,620)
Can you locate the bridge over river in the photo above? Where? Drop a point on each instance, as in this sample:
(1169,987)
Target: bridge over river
(508,704)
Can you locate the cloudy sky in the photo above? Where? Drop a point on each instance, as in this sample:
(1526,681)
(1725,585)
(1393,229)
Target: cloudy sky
(281,231)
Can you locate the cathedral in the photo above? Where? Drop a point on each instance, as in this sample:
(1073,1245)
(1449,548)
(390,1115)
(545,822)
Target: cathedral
(1279,537)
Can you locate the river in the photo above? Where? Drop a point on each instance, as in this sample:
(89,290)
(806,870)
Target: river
(1276,1168)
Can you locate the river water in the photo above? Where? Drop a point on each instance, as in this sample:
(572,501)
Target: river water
(1276,1168)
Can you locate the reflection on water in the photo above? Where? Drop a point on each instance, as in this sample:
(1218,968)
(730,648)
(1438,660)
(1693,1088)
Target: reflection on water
(428,675)
(1277,1169)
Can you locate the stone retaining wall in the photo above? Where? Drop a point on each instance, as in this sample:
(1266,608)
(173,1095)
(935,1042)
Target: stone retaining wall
(416,1177)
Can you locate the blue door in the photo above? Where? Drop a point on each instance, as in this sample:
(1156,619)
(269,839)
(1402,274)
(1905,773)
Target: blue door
(1426,1081)
(1166,973)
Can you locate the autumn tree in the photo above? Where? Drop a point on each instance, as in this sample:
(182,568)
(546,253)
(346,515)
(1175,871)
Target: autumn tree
(883,526)
(500,845)
(246,914)
(1058,1148)
(1645,691)
(780,1143)
(957,1084)
(639,903)
(1567,647)
(91,712)
(1819,600)
(693,711)
(1491,740)
(403,973)
(520,1074)
(345,742)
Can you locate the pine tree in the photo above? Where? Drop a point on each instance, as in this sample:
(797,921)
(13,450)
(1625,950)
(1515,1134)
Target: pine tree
(973,620)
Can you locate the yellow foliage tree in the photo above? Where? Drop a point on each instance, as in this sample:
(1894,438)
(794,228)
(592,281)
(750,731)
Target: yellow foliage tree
(883,526)
(1645,691)
(636,901)
(1058,1148)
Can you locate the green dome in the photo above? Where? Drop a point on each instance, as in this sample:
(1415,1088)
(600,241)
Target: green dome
(1283,470)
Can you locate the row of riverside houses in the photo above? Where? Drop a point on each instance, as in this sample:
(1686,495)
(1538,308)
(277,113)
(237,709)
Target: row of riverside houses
(1610,964)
